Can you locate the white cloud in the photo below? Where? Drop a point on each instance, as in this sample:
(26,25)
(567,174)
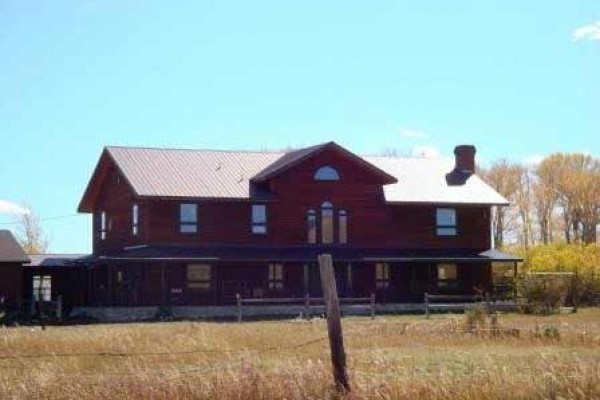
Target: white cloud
(6,207)
(533,159)
(587,32)
(412,134)
(425,152)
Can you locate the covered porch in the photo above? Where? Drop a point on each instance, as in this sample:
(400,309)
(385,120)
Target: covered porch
(176,277)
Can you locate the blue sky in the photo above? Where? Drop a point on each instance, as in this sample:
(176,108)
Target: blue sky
(518,79)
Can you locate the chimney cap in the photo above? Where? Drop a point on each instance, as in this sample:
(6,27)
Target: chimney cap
(461,148)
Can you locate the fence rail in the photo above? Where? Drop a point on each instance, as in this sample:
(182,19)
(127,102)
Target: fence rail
(454,302)
(307,302)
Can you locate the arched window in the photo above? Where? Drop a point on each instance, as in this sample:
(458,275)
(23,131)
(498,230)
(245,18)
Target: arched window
(343,226)
(327,173)
(327,222)
(311,222)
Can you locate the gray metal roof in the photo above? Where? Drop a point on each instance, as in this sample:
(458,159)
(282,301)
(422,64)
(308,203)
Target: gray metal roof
(52,260)
(10,250)
(227,175)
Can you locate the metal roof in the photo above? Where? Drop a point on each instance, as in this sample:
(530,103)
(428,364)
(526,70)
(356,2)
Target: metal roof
(10,250)
(227,174)
(302,254)
(53,260)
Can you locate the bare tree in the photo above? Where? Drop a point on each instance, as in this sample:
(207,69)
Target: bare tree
(31,234)
(523,200)
(504,177)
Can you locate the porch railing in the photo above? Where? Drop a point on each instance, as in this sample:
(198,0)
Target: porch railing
(307,302)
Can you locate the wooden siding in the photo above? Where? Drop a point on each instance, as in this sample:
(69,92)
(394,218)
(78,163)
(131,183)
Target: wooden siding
(11,287)
(371,221)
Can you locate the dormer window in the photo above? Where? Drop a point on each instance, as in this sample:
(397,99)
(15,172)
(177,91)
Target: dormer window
(327,173)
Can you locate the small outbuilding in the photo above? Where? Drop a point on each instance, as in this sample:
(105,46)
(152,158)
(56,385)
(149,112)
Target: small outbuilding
(12,258)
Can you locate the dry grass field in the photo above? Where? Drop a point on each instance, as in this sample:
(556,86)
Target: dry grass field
(391,357)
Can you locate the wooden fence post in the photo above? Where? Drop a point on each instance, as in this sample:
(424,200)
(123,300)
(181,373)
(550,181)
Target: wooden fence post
(426,305)
(334,324)
(372,305)
(239,307)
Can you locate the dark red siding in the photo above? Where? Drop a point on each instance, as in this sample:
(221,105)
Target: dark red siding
(11,283)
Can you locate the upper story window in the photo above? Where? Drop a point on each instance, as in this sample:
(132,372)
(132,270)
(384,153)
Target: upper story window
(343,226)
(446,222)
(188,218)
(327,173)
(103,225)
(134,220)
(259,219)
(327,222)
(311,222)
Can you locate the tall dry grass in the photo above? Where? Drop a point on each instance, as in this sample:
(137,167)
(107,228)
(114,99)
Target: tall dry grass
(389,358)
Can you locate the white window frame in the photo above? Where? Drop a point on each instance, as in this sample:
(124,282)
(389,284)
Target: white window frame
(103,225)
(41,285)
(276,276)
(343,226)
(446,223)
(259,219)
(311,226)
(135,219)
(443,281)
(188,226)
(196,283)
(382,276)
(327,229)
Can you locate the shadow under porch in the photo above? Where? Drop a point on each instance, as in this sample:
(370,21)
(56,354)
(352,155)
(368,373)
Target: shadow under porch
(183,283)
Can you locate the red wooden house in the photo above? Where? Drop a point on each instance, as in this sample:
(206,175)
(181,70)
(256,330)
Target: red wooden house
(195,227)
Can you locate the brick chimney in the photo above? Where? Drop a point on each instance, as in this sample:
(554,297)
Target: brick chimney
(465,158)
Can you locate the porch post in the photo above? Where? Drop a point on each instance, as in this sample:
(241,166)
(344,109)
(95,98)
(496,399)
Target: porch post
(216,280)
(515,280)
(109,274)
(163,284)
(349,279)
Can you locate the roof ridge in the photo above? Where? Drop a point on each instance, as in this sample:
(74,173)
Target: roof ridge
(269,151)
(198,150)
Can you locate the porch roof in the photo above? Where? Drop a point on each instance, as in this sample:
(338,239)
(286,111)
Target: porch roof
(303,254)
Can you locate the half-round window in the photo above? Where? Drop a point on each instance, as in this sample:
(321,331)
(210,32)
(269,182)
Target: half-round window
(327,173)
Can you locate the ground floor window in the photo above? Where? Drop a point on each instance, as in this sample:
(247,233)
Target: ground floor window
(447,275)
(42,287)
(199,276)
(275,276)
(382,275)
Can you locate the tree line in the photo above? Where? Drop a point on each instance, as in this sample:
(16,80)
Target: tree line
(556,200)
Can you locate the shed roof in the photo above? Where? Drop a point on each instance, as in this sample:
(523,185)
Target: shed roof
(218,174)
(10,250)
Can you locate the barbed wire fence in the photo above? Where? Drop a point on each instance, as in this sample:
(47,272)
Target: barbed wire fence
(210,367)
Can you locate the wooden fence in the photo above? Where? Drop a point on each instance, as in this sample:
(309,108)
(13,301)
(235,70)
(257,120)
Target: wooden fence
(307,302)
(462,302)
